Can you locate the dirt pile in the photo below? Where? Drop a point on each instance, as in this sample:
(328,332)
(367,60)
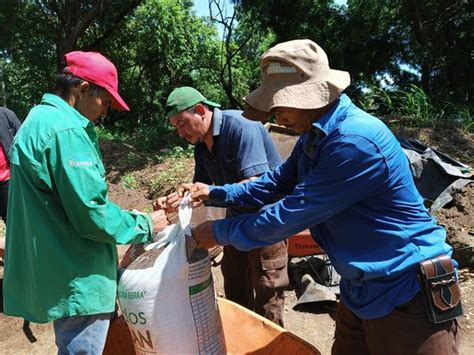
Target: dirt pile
(129,198)
(458,219)
(457,216)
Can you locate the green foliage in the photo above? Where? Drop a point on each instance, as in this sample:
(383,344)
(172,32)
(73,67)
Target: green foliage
(105,134)
(151,137)
(462,115)
(439,39)
(179,170)
(35,35)
(176,153)
(158,45)
(166,43)
(427,43)
(412,107)
(129,182)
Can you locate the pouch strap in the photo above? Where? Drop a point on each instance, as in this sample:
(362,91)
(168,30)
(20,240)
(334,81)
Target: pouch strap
(441,281)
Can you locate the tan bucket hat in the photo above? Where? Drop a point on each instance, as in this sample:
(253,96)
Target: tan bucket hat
(295,74)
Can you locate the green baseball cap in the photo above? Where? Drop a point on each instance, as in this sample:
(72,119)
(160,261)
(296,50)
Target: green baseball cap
(183,98)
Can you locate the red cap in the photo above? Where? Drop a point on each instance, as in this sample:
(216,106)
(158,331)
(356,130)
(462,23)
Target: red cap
(97,69)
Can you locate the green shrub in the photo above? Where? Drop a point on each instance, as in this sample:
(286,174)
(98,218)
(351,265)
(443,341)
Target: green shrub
(179,171)
(129,182)
(412,107)
(178,168)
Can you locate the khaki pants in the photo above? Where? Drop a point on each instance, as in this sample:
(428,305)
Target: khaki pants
(257,279)
(406,330)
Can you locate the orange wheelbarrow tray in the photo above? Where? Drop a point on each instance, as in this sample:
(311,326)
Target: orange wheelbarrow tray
(303,244)
(245,332)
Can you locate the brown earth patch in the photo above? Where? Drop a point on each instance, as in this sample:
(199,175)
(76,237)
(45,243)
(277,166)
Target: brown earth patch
(455,142)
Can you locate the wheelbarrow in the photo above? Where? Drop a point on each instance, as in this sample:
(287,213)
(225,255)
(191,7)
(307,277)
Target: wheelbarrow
(245,332)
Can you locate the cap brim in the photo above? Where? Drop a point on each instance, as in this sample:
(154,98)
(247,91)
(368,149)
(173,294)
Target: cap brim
(117,101)
(254,114)
(210,103)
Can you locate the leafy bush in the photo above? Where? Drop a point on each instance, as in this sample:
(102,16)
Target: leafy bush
(412,107)
(129,182)
(106,134)
(180,170)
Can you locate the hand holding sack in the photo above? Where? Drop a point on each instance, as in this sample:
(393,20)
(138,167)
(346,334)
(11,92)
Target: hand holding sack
(167,295)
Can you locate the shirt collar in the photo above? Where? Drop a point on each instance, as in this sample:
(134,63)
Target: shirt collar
(216,122)
(330,119)
(56,101)
(325,124)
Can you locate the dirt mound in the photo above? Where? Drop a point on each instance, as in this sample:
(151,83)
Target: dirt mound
(455,142)
(457,216)
(121,159)
(144,172)
(129,199)
(458,219)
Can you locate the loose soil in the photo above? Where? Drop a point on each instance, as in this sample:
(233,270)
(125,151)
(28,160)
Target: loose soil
(315,323)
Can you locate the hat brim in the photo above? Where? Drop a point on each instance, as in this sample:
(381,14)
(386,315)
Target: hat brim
(117,101)
(306,95)
(253,114)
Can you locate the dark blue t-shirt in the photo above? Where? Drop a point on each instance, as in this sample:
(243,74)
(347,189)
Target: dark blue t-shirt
(242,149)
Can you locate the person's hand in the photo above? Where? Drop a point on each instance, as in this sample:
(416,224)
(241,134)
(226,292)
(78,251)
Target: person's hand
(160,220)
(159,204)
(172,202)
(204,235)
(198,191)
(169,203)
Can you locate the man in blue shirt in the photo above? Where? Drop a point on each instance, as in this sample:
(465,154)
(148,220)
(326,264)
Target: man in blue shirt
(349,182)
(232,149)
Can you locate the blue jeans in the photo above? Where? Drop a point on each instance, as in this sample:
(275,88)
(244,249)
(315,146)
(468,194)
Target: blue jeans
(83,335)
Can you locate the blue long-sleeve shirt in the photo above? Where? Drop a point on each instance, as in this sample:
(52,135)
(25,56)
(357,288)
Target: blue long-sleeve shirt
(349,182)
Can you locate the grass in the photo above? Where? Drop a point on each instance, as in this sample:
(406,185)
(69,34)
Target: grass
(413,108)
(178,172)
(178,169)
(129,182)
(169,158)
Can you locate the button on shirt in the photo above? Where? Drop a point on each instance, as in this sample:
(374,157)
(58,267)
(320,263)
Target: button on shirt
(241,149)
(61,258)
(349,182)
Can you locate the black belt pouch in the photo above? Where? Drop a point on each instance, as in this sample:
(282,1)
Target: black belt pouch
(440,289)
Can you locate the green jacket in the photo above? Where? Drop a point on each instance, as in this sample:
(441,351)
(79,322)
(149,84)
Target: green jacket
(62,230)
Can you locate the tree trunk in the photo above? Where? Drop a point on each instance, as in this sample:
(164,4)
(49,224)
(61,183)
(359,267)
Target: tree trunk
(420,36)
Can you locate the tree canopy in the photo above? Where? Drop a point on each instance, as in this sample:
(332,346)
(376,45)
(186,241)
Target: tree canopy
(427,43)
(160,44)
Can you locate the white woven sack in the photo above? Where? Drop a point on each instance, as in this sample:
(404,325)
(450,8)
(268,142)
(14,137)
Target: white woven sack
(168,303)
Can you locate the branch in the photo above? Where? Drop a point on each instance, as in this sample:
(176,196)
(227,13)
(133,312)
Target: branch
(83,24)
(74,9)
(112,29)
